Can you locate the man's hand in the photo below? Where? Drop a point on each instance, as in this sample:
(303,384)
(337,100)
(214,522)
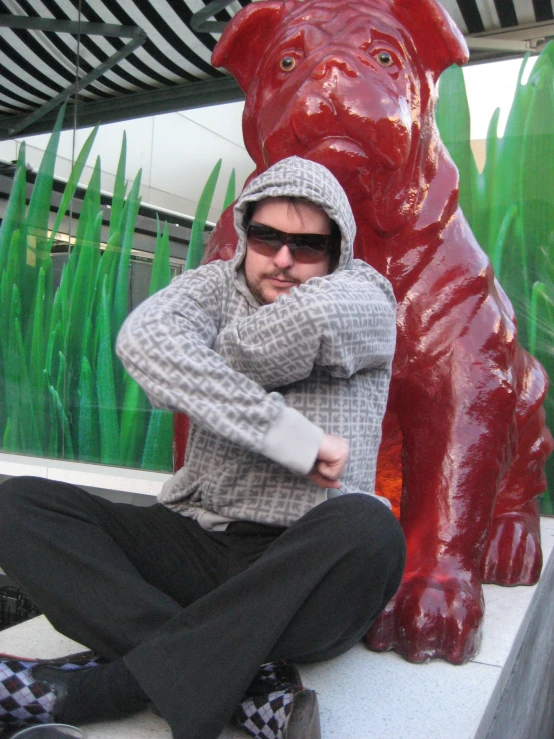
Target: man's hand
(330,463)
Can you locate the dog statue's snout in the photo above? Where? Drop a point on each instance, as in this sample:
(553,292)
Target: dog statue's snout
(330,65)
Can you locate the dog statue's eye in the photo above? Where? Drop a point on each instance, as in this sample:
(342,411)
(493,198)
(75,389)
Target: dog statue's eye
(288,63)
(385,59)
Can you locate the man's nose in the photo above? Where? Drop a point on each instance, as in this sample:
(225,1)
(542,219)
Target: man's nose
(283,258)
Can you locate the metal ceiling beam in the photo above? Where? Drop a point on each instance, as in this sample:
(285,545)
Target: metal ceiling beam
(50,25)
(484,42)
(521,39)
(199,21)
(523,32)
(134,105)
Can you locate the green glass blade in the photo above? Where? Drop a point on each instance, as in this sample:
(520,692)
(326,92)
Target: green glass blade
(196,245)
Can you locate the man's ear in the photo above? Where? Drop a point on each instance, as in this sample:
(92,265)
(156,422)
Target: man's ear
(244,40)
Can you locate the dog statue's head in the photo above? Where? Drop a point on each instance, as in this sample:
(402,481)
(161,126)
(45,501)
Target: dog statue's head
(350,84)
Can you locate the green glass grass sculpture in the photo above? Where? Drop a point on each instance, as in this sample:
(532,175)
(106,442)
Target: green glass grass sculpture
(510,205)
(65,394)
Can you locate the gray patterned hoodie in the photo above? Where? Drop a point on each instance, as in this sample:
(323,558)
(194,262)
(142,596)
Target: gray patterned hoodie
(262,383)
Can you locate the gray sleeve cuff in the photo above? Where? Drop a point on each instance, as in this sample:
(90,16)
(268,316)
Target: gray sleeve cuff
(293,442)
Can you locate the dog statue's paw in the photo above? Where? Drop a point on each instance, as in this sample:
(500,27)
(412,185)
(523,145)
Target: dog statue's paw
(429,617)
(513,554)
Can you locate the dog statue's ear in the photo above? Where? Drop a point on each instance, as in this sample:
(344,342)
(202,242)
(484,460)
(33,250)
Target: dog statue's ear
(244,40)
(443,42)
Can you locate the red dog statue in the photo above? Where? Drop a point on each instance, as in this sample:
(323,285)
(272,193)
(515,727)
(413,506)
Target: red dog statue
(352,85)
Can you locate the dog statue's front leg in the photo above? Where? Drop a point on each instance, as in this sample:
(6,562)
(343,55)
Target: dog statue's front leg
(456,417)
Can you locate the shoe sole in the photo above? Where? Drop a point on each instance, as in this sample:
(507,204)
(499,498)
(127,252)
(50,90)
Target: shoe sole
(304,718)
(76,658)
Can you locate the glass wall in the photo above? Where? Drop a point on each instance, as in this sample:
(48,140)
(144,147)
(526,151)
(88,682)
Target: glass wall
(93,222)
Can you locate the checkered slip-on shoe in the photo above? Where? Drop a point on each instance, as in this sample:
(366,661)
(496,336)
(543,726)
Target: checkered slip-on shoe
(277,706)
(24,699)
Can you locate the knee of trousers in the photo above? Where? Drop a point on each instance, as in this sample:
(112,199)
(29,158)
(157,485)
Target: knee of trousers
(17,496)
(366,528)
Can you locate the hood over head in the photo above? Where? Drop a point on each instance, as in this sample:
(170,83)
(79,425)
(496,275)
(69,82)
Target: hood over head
(301,178)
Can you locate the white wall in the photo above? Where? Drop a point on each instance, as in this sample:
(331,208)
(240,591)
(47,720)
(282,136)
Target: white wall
(176,152)
(490,86)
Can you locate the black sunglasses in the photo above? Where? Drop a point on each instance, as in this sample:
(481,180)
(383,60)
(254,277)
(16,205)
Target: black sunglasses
(303,247)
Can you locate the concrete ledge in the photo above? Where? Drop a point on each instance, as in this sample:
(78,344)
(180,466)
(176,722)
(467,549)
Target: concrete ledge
(504,693)
(97,476)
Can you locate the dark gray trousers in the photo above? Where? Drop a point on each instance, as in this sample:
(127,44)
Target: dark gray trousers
(195,613)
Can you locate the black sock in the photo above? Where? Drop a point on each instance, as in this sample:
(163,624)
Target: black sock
(102,693)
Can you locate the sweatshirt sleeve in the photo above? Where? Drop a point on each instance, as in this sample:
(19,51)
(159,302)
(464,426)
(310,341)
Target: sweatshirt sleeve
(344,322)
(166,346)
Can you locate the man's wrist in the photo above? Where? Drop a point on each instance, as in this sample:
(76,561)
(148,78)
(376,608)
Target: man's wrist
(293,441)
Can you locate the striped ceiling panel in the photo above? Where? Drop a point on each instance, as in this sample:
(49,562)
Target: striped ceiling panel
(138,57)
(478,16)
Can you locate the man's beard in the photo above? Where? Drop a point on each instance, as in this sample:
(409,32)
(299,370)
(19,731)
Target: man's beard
(276,274)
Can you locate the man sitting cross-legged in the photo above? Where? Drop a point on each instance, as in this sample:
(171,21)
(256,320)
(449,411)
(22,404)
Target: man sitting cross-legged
(269,544)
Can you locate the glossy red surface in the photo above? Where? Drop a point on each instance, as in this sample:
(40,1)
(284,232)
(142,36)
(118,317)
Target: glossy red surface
(352,85)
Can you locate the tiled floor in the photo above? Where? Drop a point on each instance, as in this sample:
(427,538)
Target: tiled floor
(363,695)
